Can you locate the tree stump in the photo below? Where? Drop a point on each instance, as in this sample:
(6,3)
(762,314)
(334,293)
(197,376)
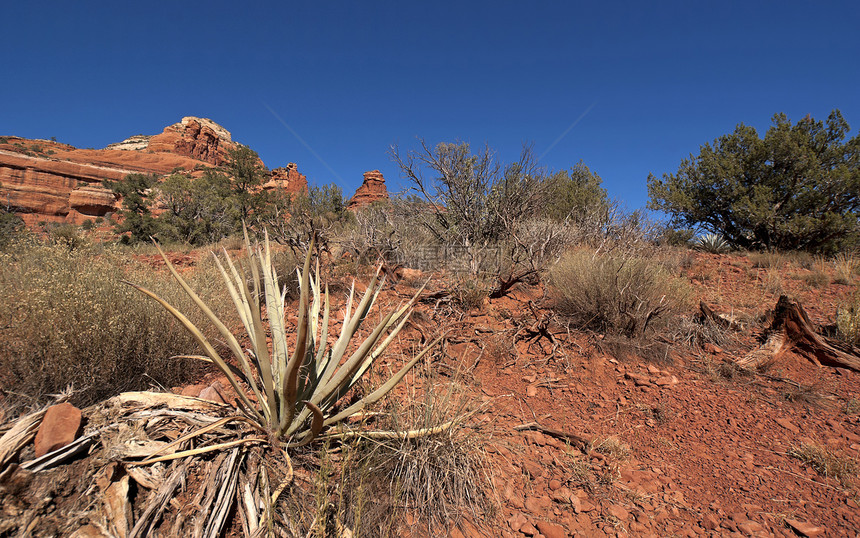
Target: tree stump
(790,329)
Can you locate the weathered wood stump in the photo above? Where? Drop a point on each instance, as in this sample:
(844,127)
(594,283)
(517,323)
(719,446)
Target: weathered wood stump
(790,329)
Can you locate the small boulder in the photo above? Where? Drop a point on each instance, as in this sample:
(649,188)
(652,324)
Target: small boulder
(551,530)
(61,426)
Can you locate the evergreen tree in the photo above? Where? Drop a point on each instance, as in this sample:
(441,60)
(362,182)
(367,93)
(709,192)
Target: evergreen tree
(797,188)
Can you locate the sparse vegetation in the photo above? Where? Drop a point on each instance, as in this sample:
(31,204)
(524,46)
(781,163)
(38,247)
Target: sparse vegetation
(826,461)
(848,320)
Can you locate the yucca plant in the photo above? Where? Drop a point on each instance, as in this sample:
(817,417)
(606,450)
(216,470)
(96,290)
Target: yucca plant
(293,393)
(712,243)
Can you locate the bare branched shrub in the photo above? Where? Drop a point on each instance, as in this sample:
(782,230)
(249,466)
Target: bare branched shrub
(472,200)
(618,293)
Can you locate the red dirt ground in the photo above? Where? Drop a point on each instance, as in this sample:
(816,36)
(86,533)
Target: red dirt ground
(702,453)
(686,446)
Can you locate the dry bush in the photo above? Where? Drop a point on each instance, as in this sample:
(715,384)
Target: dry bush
(68,318)
(619,293)
(826,461)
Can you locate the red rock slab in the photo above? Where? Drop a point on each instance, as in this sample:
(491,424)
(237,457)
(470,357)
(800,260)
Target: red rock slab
(61,426)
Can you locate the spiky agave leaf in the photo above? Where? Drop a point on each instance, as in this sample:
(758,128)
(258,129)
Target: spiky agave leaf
(295,391)
(712,243)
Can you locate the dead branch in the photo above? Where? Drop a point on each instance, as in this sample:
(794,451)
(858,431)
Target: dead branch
(580,443)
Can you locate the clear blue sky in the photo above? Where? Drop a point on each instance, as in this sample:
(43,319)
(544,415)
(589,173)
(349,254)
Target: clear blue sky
(657,79)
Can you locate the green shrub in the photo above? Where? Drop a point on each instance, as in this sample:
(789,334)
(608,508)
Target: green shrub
(68,318)
(618,293)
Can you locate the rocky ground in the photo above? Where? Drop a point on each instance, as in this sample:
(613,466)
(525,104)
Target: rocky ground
(584,437)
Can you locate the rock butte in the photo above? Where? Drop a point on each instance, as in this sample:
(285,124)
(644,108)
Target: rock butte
(48,181)
(371,190)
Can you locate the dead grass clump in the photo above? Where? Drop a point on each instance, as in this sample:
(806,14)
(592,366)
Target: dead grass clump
(617,293)
(70,319)
(470,294)
(816,278)
(696,333)
(767,260)
(802,393)
(848,320)
(826,461)
(844,268)
(437,479)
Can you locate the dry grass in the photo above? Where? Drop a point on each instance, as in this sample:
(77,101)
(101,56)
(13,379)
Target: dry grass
(767,260)
(816,278)
(826,461)
(68,318)
(802,393)
(373,486)
(848,320)
(621,294)
(845,266)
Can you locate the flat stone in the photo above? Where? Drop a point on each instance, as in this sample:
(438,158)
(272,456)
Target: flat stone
(61,426)
(750,528)
(561,495)
(517,521)
(710,522)
(551,530)
(805,528)
(666,381)
(787,424)
(209,393)
(538,505)
(528,529)
(619,512)
(192,390)
(533,469)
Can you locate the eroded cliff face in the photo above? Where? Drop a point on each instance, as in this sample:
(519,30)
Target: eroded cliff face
(288,180)
(372,189)
(48,181)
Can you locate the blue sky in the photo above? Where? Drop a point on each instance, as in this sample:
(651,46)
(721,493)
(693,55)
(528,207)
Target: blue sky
(352,78)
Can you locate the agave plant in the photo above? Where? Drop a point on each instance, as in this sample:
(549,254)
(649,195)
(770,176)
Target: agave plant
(294,393)
(712,243)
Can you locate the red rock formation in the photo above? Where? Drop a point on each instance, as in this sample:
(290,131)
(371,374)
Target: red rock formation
(47,181)
(288,180)
(371,190)
(199,138)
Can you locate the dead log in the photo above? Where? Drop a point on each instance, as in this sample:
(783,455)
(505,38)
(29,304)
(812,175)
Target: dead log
(706,314)
(790,329)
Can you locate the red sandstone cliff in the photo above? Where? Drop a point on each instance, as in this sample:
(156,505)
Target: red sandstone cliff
(47,181)
(371,190)
(288,179)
